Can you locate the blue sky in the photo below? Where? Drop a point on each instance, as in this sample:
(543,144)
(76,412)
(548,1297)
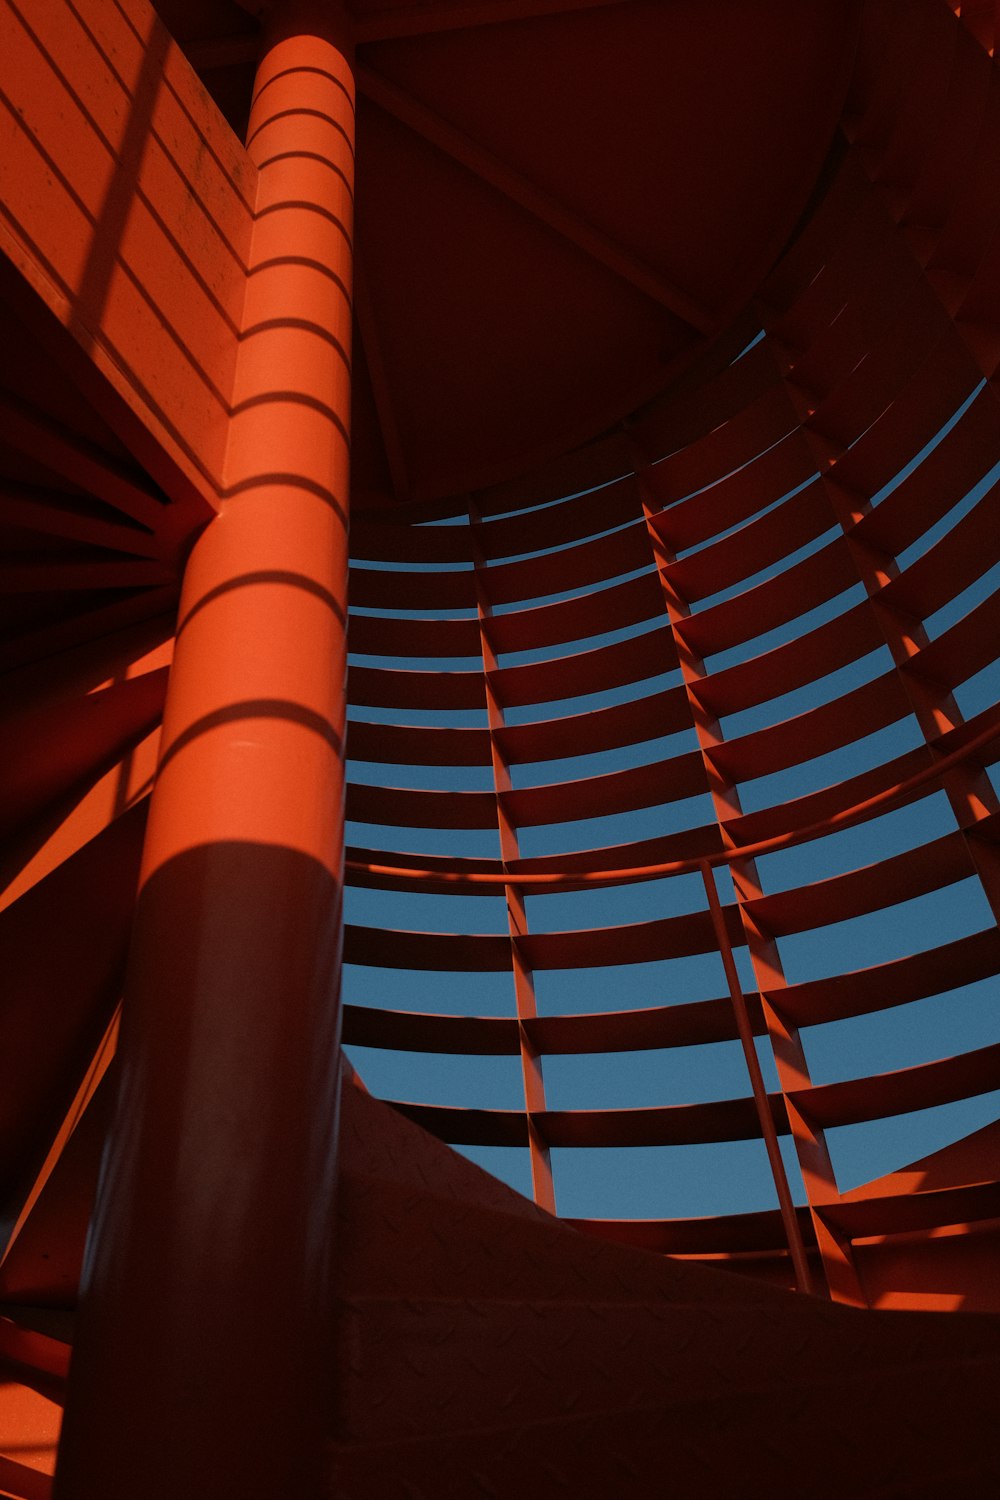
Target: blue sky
(718,1178)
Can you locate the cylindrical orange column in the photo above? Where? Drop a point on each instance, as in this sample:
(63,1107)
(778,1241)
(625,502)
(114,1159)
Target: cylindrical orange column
(203,1364)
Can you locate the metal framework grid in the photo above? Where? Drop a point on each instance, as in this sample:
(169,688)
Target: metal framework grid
(868,349)
(878,325)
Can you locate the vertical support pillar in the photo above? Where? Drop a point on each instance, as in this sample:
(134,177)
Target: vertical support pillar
(789,1055)
(967,787)
(789,1219)
(542,1187)
(204,1361)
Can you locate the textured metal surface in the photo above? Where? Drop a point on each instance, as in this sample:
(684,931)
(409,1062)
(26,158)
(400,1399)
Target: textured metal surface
(875,331)
(590,1375)
(818,454)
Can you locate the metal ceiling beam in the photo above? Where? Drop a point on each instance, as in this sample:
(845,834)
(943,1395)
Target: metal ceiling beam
(533,200)
(422,20)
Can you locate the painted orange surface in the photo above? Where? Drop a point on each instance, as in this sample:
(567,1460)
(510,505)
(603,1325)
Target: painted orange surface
(598,250)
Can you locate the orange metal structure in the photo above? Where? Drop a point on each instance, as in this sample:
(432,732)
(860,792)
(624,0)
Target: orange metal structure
(255,703)
(635,335)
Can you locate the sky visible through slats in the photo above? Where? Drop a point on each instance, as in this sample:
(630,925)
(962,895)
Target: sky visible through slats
(681,1181)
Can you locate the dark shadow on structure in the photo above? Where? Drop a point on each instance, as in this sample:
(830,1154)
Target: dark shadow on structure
(266,575)
(252,708)
(207,1278)
(103,256)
